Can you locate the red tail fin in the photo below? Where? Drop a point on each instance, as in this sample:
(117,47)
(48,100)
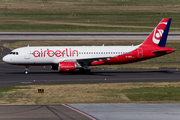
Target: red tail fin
(159,35)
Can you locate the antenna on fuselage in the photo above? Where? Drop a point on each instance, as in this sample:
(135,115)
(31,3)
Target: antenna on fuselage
(28,46)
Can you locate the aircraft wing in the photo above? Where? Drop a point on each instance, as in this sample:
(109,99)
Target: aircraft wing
(92,59)
(82,60)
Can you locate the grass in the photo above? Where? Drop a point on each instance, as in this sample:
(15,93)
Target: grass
(148,92)
(11,95)
(153,93)
(86,15)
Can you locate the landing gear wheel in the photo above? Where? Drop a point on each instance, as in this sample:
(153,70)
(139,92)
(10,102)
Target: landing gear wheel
(26,72)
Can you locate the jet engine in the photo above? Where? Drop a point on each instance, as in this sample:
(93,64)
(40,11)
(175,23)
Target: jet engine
(66,66)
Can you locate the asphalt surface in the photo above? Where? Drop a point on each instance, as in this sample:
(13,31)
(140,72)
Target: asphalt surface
(14,75)
(80,36)
(132,111)
(39,112)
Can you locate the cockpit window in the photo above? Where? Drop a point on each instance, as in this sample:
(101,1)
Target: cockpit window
(14,53)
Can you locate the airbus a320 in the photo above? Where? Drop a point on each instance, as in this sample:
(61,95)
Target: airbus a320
(69,58)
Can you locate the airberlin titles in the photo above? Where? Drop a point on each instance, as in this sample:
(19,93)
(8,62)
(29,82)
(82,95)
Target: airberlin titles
(58,53)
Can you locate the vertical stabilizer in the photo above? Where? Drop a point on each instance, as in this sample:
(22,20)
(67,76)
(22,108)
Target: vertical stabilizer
(159,35)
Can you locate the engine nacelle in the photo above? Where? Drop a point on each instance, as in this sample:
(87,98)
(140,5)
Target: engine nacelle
(66,66)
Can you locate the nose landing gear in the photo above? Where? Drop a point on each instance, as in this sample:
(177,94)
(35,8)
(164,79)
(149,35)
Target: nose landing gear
(26,70)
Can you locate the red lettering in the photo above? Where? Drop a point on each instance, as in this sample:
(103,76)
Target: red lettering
(48,51)
(63,53)
(74,53)
(58,52)
(45,53)
(70,51)
(67,52)
(41,53)
(38,53)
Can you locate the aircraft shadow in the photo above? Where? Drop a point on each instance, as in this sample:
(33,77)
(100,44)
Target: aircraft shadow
(96,72)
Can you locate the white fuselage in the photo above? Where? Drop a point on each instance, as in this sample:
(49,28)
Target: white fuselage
(55,54)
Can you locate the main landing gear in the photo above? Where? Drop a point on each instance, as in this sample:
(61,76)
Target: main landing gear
(26,70)
(85,69)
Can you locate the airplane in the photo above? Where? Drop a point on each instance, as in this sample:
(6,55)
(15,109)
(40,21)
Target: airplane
(70,58)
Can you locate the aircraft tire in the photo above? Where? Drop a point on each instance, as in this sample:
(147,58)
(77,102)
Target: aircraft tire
(26,72)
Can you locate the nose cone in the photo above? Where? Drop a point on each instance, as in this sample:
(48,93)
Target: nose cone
(6,59)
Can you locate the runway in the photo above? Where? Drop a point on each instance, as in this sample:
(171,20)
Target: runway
(14,75)
(80,35)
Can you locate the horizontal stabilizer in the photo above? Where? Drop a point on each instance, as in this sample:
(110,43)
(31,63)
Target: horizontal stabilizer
(160,51)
